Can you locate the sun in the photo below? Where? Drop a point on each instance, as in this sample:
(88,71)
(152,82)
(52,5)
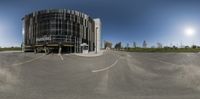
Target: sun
(189,31)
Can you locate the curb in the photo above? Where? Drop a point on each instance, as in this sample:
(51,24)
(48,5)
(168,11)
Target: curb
(90,55)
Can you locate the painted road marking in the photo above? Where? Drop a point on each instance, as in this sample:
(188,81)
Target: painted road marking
(169,63)
(103,69)
(129,55)
(31,60)
(61,57)
(112,65)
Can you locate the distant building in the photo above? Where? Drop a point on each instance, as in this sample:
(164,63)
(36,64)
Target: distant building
(61,29)
(144,44)
(118,46)
(107,45)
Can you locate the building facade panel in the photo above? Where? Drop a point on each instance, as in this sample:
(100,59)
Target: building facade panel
(60,27)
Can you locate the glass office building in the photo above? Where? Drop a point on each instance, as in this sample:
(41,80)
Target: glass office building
(59,28)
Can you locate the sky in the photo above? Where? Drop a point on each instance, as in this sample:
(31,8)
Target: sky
(126,21)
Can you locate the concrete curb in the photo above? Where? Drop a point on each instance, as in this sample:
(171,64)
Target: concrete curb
(92,54)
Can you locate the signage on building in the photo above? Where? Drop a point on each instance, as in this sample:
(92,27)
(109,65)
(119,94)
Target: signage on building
(45,38)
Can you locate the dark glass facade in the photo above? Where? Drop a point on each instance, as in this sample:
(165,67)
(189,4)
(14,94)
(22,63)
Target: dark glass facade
(58,27)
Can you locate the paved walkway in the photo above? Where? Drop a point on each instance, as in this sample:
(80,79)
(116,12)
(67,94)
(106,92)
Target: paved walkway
(114,75)
(9,51)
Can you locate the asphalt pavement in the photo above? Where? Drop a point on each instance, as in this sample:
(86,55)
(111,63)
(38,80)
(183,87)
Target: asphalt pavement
(113,75)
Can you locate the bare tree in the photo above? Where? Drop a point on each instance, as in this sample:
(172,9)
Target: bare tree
(127,45)
(144,44)
(159,45)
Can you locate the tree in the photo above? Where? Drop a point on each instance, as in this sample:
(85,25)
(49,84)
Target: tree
(144,44)
(187,47)
(167,47)
(174,47)
(134,45)
(127,45)
(194,46)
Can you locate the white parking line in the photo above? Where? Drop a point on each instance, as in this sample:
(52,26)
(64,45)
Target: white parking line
(16,64)
(129,55)
(103,69)
(60,57)
(167,62)
(112,65)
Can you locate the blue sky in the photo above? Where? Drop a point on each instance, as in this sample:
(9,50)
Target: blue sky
(127,21)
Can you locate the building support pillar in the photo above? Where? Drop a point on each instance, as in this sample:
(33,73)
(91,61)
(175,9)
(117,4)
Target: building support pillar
(75,45)
(60,50)
(46,50)
(35,50)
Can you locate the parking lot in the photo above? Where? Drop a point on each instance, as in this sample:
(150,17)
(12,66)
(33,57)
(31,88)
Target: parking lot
(113,75)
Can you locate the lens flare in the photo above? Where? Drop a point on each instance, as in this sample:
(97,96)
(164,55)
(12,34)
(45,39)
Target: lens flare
(190,31)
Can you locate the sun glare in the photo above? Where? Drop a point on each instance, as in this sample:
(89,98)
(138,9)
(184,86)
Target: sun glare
(190,31)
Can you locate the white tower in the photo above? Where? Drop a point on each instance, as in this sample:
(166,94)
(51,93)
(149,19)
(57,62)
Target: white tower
(97,34)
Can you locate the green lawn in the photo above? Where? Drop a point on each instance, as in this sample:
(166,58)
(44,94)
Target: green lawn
(11,49)
(163,50)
